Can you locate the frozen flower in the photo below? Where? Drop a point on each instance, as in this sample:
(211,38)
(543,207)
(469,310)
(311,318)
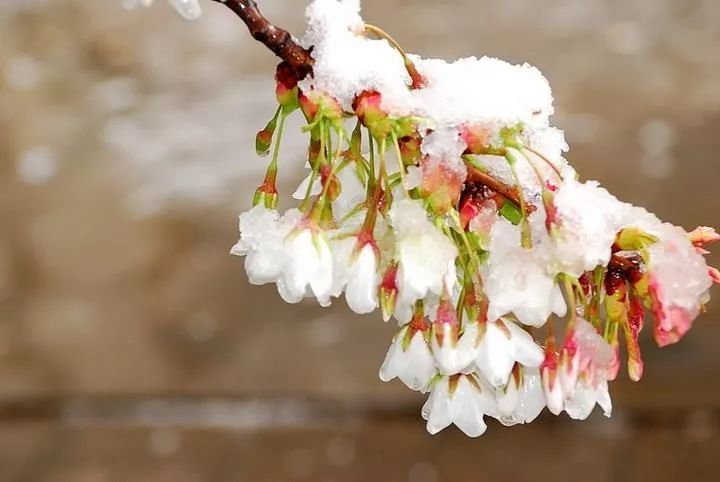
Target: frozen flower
(189,9)
(459,400)
(503,344)
(403,228)
(453,351)
(522,399)
(261,242)
(677,282)
(409,357)
(356,272)
(309,262)
(554,395)
(576,380)
(426,257)
(287,250)
(588,219)
(584,352)
(518,280)
(585,396)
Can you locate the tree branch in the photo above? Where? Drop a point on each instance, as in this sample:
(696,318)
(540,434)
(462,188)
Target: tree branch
(278,40)
(509,192)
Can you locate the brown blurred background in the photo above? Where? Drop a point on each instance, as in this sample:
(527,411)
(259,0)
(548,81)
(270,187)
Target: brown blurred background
(133,349)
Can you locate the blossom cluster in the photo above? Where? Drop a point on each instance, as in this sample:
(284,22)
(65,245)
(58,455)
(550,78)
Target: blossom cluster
(438,194)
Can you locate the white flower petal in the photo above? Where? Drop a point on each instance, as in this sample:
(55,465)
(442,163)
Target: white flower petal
(301,190)
(455,358)
(414,367)
(362,287)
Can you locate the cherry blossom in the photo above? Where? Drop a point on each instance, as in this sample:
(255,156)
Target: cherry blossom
(438,192)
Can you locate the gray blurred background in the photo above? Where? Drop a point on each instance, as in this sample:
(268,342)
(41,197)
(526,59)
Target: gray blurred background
(133,349)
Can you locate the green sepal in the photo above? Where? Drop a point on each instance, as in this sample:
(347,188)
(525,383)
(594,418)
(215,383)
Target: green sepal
(634,239)
(511,212)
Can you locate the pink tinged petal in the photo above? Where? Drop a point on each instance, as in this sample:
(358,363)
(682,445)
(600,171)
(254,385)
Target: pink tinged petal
(714,274)
(671,322)
(550,380)
(553,395)
(703,235)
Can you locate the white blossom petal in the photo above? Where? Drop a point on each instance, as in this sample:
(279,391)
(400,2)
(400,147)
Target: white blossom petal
(415,366)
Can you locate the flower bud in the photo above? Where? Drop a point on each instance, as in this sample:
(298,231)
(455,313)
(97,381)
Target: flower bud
(266,195)
(367,106)
(410,151)
(286,89)
(441,186)
(318,105)
(263,141)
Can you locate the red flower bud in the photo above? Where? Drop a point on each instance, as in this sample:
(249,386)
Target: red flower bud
(477,138)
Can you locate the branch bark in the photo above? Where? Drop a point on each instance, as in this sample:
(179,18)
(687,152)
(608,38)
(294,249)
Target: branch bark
(509,192)
(278,40)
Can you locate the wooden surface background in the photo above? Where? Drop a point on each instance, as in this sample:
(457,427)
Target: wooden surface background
(131,346)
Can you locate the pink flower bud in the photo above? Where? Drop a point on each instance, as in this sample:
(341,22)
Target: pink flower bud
(367,106)
(316,105)
(441,185)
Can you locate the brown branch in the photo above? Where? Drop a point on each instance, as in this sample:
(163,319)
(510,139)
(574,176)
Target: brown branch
(509,192)
(278,40)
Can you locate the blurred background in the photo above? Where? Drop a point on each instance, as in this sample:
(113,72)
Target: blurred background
(133,349)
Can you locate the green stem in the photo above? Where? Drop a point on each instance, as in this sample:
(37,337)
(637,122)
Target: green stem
(526,233)
(401,167)
(272,168)
(572,301)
